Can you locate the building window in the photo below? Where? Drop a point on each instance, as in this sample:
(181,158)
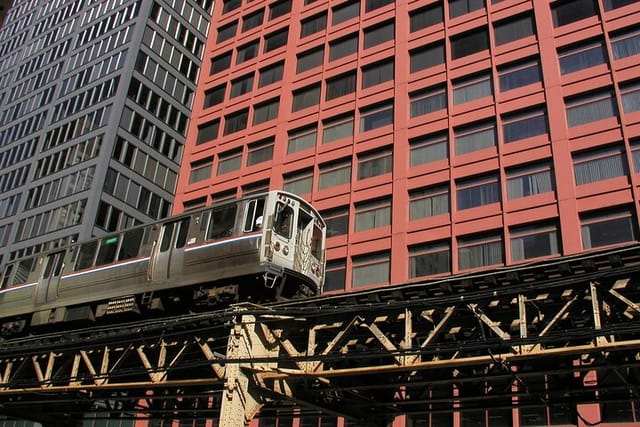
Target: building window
(379,34)
(227,32)
(476,192)
(513,29)
(377,73)
(345,12)
(247,52)
(635,154)
(374,164)
(534,241)
(469,43)
(220,63)
(528,181)
(252,20)
(333,174)
(519,75)
(271,74)
(335,275)
(590,108)
(524,125)
(462,7)
(302,139)
(429,260)
(425,17)
(371,269)
(260,152)
(229,5)
(470,89)
(597,165)
(581,57)
(428,149)
(229,162)
(426,57)
(275,40)
(236,122)
(374,214)
(313,25)
(214,96)
(429,101)
(566,12)
(630,97)
(337,128)
(605,228)
(337,221)
(200,170)
(614,4)
(428,202)
(341,85)
(343,47)
(266,111)
(483,251)
(299,183)
(370,5)
(310,59)
(241,85)
(376,117)
(208,131)
(626,44)
(306,97)
(475,137)
(279,9)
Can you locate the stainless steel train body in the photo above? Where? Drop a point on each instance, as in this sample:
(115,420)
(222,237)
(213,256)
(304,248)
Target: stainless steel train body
(258,248)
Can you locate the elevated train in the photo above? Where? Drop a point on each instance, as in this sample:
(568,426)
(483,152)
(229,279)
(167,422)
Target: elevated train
(259,248)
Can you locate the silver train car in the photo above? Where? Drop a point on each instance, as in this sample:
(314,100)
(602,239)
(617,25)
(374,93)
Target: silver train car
(261,248)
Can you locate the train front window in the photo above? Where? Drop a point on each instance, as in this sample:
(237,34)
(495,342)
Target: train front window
(222,221)
(283,222)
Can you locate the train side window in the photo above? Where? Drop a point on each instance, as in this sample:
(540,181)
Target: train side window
(85,257)
(54,262)
(254,216)
(204,221)
(131,242)
(222,221)
(7,275)
(316,242)
(183,232)
(107,251)
(166,236)
(283,221)
(25,267)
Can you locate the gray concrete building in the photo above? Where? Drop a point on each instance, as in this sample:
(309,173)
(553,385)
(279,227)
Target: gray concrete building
(95,97)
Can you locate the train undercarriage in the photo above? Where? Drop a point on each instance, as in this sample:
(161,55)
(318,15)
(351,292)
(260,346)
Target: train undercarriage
(259,289)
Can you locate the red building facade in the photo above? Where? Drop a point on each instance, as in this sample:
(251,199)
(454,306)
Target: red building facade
(436,137)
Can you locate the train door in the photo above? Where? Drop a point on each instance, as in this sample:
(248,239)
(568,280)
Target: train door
(47,289)
(168,254)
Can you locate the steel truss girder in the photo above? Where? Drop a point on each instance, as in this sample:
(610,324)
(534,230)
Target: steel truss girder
(531,337)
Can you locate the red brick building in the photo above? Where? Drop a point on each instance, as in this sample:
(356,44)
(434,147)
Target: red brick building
(436,137)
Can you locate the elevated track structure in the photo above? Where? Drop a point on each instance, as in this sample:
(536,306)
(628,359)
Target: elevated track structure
(551,336)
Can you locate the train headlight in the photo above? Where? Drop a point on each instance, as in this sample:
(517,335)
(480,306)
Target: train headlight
(285,250)
(277,246)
